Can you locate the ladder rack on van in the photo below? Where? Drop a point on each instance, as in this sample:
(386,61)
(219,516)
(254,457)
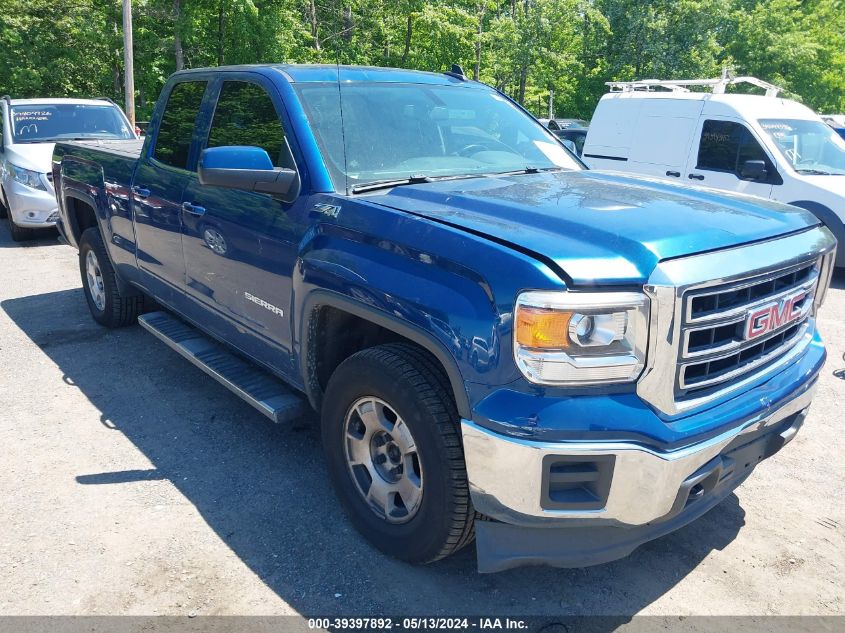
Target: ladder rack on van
(717,85)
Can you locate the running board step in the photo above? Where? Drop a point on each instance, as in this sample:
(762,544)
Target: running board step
(263,391)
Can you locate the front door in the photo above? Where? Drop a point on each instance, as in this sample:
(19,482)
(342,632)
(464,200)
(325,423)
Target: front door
(157,194)
(721,149)
(240,246)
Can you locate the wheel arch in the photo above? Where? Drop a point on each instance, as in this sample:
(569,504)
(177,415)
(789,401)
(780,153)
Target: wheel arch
(81,212)
(396,329)
(832,221)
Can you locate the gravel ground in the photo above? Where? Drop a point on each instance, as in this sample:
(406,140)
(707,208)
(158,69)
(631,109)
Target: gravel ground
(131,483)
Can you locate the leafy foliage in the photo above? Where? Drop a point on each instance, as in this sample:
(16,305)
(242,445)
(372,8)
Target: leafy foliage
(524,47)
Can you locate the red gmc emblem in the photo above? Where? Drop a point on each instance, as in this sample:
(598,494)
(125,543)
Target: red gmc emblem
(774,315)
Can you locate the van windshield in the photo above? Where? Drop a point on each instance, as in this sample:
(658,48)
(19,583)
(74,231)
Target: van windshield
(398,130)
(810,147)
(45,123)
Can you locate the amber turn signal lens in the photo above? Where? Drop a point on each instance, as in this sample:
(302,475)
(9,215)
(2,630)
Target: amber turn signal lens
(537,327)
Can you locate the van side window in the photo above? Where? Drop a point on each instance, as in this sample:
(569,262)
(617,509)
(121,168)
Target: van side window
(725,146)
(719,145)
(176,130)
(245,115)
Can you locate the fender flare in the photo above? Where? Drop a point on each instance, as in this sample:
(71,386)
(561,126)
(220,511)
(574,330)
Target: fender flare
(414,333)
(75,194)
(123,286)
(832,221)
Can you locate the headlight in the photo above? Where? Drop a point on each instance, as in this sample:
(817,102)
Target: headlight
(27,177)
(569,338)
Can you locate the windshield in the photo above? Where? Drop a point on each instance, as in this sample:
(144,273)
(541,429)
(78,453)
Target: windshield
(396,131)
(44,123)
(810,147)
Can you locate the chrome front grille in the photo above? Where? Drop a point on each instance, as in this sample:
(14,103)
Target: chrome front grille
(699,353)
(714,347)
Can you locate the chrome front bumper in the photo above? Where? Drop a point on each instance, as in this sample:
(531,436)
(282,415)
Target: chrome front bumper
(508,477)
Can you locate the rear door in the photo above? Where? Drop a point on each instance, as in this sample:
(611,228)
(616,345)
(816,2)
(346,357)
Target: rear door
(721,147)
(162,174)
(240,246)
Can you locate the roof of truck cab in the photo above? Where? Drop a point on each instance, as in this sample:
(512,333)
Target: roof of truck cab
(748,107)
(305,73)
(60,100)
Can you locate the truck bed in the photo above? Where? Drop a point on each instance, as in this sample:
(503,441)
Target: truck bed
(123,148)
(88,165)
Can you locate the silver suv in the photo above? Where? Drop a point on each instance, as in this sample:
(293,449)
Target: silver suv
(29,129)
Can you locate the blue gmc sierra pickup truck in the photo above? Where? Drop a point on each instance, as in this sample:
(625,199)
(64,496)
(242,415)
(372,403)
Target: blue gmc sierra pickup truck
(501,344)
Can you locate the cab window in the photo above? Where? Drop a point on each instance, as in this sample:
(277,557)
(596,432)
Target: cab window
(726,146)
(173,143)
(719,145)
(245,115)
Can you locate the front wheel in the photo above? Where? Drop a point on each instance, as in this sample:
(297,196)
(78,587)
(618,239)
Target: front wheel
(390,434)
(108,305)
(19,233)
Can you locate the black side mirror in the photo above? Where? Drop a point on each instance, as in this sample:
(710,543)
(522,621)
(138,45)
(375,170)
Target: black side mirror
(753,170)
(244,167)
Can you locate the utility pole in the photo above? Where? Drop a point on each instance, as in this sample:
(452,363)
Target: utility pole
(128,62)
(551,103)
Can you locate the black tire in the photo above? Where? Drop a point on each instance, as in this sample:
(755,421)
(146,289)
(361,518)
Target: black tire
(118,310)
(414,385)
(18,233)
(3,211)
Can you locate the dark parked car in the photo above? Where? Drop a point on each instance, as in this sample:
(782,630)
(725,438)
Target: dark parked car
(837,122)
(573,132)
(573,138)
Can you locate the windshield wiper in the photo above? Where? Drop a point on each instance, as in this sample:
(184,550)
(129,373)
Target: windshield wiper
(412,180)
(526,170)
(386,184)
(814,172)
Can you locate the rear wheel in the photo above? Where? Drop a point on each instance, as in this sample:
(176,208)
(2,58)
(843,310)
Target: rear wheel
(390,435)
(108,305)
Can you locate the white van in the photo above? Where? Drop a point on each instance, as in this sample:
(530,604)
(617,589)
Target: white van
(759,145)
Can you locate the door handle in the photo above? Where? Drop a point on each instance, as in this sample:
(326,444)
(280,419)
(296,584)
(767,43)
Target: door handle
(193,209)
(676,174)
(696,177)
(141,192)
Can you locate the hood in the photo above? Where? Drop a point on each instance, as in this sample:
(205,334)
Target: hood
(34,156)
(599,227)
